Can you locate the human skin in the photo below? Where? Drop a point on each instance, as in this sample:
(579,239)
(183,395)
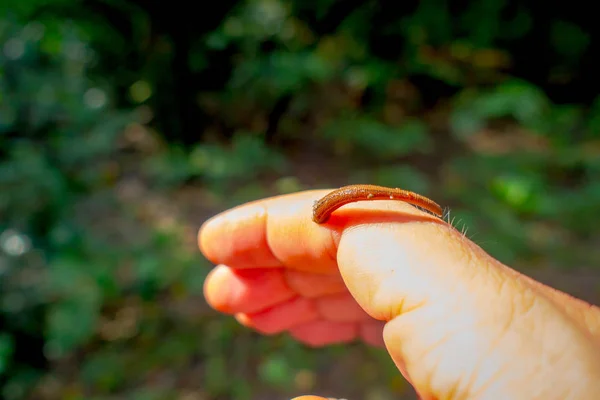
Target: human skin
(457,323)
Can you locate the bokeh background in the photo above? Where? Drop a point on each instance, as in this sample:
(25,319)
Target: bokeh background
(124,124)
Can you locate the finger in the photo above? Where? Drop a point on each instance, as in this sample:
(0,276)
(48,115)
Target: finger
(281,317)
(251,290)
(238,237)
(270,233)
(245,290)
(457,320)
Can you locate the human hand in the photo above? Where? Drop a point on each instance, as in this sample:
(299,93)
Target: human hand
(456,322)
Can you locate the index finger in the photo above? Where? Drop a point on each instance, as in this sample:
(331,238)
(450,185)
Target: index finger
(271,233)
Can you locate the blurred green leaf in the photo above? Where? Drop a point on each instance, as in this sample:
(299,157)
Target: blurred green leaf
(520,192)
(6,351)
(519,100)
(593,125)
(276,371)
(217,377)
(377,138)
(568,39)
(19,383)
(104,370)
(247,158)
(70,323)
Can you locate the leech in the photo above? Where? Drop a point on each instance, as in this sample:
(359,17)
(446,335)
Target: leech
(323,207)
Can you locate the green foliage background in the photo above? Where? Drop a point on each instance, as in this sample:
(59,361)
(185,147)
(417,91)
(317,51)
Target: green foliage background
(124,125)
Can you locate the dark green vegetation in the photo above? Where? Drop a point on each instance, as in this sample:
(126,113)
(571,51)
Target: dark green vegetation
(124,124)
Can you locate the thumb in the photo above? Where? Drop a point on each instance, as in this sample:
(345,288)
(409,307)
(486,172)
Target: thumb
(461,324)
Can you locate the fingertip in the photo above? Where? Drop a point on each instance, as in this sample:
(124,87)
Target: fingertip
(208,237)
(216,290)
(202,235)
(238,238)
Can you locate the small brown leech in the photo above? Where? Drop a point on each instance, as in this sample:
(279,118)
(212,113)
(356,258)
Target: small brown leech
(323,207)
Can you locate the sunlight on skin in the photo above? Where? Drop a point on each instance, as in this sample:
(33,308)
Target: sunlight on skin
(455,321)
